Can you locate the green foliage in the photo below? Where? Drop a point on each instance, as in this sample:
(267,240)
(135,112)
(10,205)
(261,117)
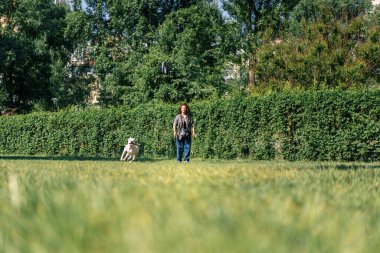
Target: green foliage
(327,125)
(188,43)
(329,45)
(130,40)
(256,21)
(121,46)
(31,42)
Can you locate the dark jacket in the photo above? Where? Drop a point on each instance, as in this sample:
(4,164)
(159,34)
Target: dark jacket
(183,125)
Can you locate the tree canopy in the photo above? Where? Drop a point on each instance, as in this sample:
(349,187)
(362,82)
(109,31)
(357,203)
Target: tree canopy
(31,44)
(129,52)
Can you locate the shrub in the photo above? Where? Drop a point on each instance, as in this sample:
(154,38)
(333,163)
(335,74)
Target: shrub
(326,125)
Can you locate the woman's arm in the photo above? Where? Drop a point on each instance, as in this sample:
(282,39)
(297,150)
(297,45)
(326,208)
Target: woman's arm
(192,127)
(175,127)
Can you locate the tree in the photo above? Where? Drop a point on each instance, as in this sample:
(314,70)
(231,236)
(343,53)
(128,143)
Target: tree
(129,47)
(255,18)
(328,45)
(186,61)
(31,40)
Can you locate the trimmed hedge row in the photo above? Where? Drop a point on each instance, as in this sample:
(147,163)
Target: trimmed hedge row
(324,125)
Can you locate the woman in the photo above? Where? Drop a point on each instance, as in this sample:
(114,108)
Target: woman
(183,129)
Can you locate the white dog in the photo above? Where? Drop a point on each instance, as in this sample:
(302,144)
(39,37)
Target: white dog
(131,150)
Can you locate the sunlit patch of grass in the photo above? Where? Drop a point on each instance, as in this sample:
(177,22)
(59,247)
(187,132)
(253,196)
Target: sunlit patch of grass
(204,206)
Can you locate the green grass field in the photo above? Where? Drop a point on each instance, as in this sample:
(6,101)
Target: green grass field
(205,206)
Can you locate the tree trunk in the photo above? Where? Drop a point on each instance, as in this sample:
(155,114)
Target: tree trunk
(253,16)
(251,73)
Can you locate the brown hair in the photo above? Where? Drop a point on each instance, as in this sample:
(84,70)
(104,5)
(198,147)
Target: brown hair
(188,112)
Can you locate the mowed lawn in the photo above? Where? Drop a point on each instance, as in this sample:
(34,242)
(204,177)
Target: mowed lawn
(205,206)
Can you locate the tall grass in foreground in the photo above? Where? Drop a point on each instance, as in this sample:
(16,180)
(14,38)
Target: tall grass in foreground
(204,206)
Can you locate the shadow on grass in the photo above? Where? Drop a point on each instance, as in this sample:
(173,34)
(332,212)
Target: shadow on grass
(349,166)
(78,158)
(357,166)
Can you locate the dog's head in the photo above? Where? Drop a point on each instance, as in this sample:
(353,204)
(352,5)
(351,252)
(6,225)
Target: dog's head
(131,141)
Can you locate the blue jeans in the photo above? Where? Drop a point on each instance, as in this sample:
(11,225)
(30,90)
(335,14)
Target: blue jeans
(183,146)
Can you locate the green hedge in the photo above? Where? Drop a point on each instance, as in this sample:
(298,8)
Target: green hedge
(293,126)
